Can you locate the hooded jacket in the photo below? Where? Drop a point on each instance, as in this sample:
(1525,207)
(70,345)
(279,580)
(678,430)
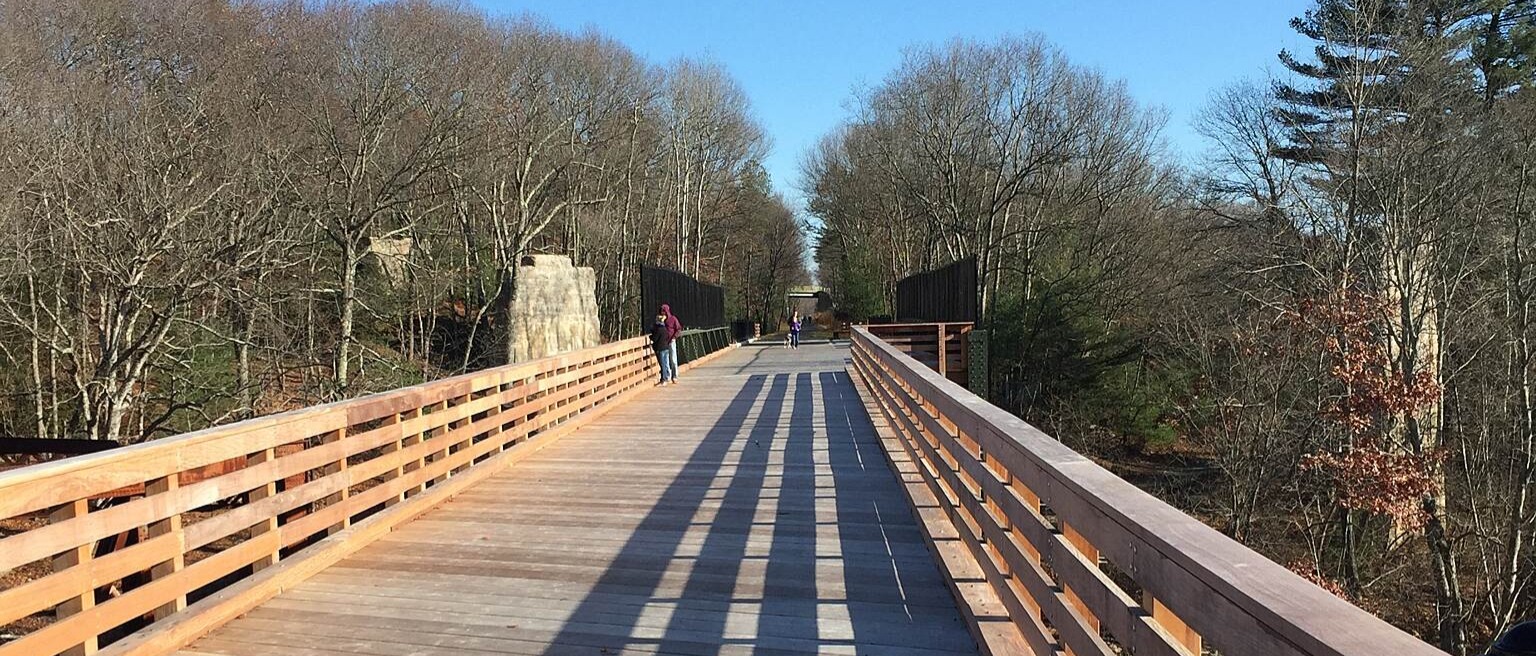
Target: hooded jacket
(660,336)
(674,327)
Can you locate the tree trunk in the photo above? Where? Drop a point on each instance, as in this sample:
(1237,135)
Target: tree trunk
(40,413)
(245,332)
(348,305)
(1449,605)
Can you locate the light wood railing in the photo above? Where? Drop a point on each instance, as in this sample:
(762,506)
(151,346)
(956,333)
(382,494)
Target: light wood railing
(1048,552)
(228,542)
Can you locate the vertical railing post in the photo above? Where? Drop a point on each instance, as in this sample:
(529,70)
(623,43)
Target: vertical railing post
(1032,503)
(266,490)
(943,353)
(496,411)
(168,526)
(1091,554)
(392,451)
(465,441)
(1182,635)
(338,468)
(406,442)
(76,557)
(439,434)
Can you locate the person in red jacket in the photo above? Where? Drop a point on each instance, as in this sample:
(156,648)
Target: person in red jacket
(674,329)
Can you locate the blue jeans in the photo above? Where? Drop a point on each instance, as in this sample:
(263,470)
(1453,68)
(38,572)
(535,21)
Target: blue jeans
(673,349)
(794,338)
(668,369)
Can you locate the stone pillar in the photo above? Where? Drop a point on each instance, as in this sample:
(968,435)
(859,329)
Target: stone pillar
(555,308)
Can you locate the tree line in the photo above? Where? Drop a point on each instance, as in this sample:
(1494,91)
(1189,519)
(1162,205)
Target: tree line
(220,209)
(1333,312)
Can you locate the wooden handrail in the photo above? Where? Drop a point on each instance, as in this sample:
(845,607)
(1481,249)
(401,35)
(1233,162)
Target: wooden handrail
(1048,527)
(385,455)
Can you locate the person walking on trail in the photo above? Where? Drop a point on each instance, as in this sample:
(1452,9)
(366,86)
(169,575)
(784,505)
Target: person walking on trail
(674,329)
(794,330)
(661,340)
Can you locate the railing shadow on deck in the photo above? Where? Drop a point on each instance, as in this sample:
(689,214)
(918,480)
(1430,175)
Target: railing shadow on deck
(787,587)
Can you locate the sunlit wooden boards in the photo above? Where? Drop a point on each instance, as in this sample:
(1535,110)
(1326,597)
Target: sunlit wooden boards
(748,510)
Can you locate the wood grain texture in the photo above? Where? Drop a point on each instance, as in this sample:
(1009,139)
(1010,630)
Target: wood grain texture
(1043,523)
(281,483)
(747,510)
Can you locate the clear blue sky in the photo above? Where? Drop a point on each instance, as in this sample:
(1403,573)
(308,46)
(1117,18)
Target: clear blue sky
(800,60)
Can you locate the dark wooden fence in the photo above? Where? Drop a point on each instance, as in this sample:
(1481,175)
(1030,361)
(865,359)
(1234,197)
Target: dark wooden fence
(696,304)
(947,294)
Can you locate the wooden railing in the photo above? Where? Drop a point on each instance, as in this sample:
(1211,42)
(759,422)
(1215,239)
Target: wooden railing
(228,542)
(1047,552)
(944,347)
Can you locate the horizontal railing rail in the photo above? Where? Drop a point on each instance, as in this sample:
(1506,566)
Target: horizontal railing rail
(1082,561)
(340,474)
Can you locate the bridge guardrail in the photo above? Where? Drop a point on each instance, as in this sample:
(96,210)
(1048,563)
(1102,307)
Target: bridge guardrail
(365,465)
(1051,533)
(696,343)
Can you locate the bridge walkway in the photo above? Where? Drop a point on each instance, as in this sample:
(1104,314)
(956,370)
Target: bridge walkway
(747,510)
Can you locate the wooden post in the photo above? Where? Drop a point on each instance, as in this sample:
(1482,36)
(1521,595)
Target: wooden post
(1091,554)
(440,432)
(1028,548)
(392,451)
(75,557)
(496,411)
(1180,633)
(466,440)
(943,353)
(172,526)
(963,345)
(406,442)
(339,469)
(270,523)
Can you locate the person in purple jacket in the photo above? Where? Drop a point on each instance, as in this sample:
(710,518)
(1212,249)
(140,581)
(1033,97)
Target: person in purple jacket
(674,328)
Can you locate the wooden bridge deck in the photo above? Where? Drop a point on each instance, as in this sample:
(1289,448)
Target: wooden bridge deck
(748,510)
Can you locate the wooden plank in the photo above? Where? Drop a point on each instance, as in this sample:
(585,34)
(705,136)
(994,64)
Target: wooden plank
(1234,598)
(169,526)
(620,383)
(980,604)
(160,512)
(669,543)
(39,487)
(267,523)
(75,558)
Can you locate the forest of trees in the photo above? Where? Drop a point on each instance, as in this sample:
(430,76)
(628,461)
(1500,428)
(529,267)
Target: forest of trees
(214,210)
(1334,312)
